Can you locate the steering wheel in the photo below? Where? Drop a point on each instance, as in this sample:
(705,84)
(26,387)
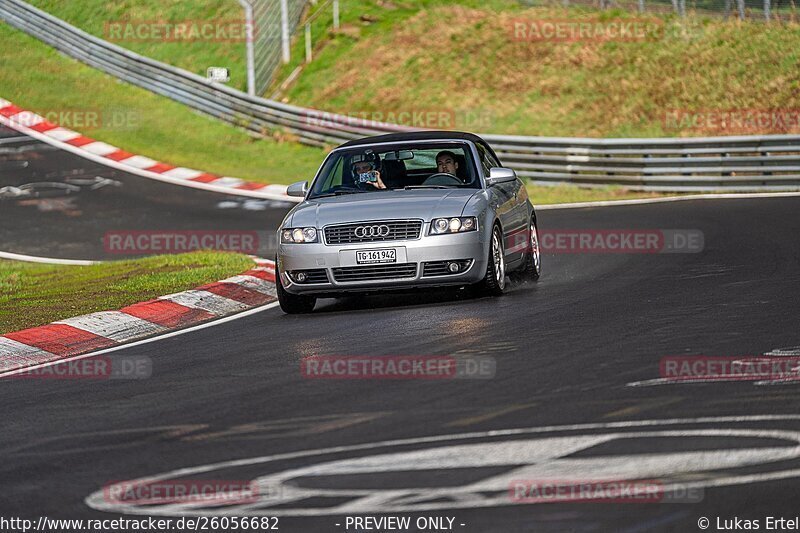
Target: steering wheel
(442,178)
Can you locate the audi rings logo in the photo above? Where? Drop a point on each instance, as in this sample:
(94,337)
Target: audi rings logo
(372,231)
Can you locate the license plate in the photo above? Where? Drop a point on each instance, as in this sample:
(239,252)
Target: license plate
(388,255)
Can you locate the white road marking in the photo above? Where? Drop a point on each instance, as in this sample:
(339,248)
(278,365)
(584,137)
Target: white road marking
(181,173)
(100,148)
(640,201)
(275,189)
(227,181)
(252,283)
(167,335)
(46,260)
(114,325)
(207,301)
(57,136)
(27,118)
(373,500)
(792,351)
(62,134)
(13,353)
(139,161)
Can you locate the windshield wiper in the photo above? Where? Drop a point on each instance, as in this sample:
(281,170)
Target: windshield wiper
(338,193)
(407,187)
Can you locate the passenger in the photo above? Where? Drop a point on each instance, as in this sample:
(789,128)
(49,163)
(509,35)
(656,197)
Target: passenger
(446,162)
(365,166)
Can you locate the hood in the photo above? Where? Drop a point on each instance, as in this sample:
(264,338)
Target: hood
(384,205)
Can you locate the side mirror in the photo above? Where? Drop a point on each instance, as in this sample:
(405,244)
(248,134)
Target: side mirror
(298,189)
(500,175)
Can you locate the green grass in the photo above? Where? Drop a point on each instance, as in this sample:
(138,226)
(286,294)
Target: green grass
(165,130)
(154,126)
(34,294)
(463,61)
(98,17)
(560,194)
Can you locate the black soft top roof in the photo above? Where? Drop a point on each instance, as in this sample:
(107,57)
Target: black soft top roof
(415,136)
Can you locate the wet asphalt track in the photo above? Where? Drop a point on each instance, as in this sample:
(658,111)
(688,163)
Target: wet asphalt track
(73,226)
(565,348)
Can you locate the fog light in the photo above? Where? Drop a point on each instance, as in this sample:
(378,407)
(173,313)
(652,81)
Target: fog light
(453,267)
(300,276)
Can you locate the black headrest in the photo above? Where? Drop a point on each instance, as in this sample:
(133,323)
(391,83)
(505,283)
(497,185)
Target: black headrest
(394,172)
(461,172)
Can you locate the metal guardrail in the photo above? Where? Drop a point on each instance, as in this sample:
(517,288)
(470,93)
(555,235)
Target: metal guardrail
(747,163)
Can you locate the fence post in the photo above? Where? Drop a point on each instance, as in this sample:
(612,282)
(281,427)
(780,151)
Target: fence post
(285,30)
(308,42)
(641,6)
(766,10)
(249,46)
(335,14)
(741,9)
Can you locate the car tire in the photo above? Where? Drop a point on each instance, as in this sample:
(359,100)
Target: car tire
(532,265)
(494,282)
(293,304)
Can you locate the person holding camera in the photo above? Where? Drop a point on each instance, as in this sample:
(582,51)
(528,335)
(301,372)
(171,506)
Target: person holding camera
(366,173)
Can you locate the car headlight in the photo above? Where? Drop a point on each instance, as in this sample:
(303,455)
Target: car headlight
(442,226)
(299,235)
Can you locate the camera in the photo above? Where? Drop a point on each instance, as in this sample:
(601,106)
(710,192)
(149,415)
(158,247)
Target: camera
(371,176)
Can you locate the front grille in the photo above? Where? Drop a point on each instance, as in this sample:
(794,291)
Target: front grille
(398,230)
(317,275)
(440,268)
(375,272)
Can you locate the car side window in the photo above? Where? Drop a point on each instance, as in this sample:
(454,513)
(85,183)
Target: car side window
(493,162)
(485,163)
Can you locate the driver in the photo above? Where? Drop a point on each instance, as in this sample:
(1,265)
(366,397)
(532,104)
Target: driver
(447,163)
(370,163)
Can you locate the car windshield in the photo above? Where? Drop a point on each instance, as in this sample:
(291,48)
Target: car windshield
(397,167)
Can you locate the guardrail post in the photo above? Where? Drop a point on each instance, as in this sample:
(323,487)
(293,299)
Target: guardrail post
(766,10)
(741,9)
(285,31)
(641,6)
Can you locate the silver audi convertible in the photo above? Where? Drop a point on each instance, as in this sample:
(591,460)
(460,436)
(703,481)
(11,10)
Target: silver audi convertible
(405,211)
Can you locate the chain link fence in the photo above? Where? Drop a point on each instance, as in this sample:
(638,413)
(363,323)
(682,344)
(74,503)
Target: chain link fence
(272,23)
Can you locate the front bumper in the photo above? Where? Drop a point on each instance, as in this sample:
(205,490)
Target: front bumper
(428,248)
